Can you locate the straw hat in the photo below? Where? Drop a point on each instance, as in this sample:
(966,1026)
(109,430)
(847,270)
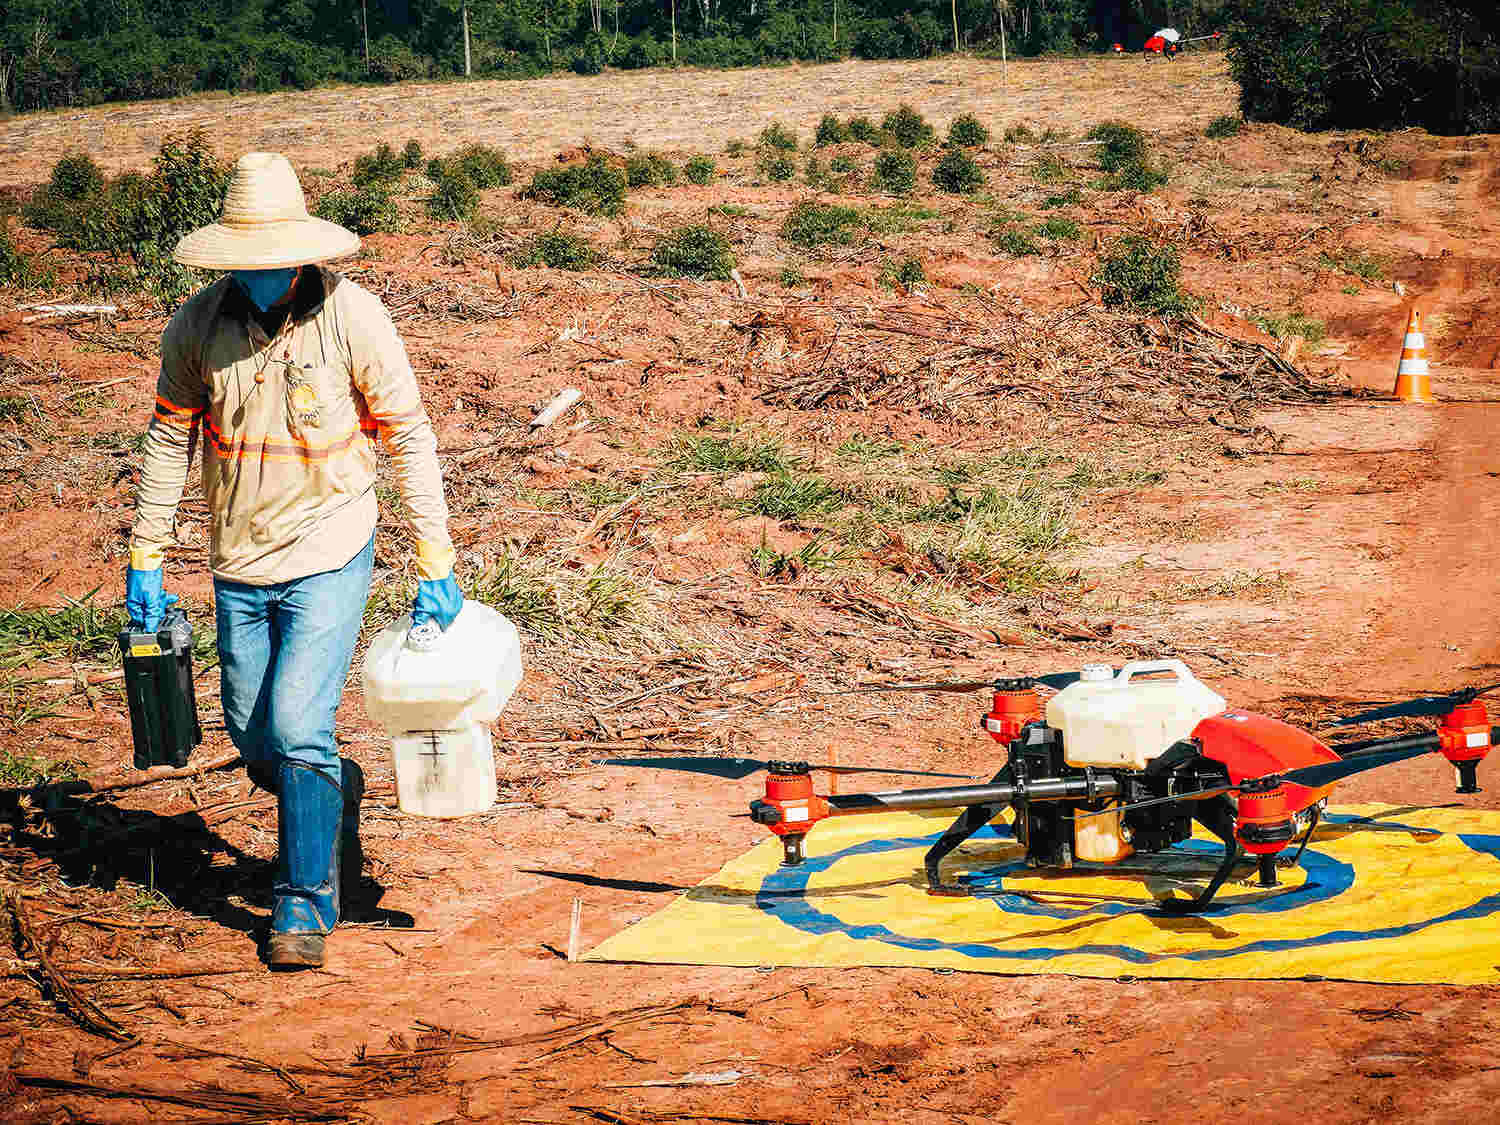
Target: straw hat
(265,224)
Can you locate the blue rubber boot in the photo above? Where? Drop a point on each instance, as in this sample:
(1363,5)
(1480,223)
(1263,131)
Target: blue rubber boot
(307,877)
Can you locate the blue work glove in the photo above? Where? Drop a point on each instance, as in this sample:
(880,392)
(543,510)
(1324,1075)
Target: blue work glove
(145,603)
(437,600)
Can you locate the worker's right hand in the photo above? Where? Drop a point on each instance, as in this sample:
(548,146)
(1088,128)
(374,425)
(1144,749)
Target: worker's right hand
(145,602)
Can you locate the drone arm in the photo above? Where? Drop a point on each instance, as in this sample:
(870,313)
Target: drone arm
(1086,788)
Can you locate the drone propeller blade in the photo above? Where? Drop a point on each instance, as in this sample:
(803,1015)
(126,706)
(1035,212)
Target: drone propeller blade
(888,769)
(735,768)
(1326,773)
(731,768)
(953,686)
(1058,680)
(1425,706)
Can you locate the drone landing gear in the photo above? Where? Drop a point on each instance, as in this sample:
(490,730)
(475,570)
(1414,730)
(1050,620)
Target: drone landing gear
(1218,818)
(970,821)
(1267,865)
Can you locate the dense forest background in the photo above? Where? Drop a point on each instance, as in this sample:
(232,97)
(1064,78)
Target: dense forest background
(76,52)
(1307,63)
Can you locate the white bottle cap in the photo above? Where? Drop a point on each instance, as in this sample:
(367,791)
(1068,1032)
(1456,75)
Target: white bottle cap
(1096,673)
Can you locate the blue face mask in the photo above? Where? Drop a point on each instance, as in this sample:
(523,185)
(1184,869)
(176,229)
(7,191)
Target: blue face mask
(264,287)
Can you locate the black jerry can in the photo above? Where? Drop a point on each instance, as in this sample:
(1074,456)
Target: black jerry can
(159,689)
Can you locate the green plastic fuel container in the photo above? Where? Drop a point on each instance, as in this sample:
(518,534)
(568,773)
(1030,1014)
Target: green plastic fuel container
(159,688)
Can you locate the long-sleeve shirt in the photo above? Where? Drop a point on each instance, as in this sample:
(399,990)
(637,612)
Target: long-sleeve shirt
(289,424)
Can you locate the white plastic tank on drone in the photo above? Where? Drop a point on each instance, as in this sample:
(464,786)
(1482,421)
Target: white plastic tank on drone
(1129,719)
(434,691)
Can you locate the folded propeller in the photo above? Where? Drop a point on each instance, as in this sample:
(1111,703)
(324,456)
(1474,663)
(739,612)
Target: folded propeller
(1054,680)
(736,768)
(1423,706)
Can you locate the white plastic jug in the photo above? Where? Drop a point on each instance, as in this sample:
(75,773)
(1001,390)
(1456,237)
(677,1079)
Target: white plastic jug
(434,696)
(1133,717)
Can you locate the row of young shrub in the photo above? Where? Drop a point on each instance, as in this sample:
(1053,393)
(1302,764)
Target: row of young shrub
(134,220)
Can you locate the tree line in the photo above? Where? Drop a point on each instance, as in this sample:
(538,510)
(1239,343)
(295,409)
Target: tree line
(80,52)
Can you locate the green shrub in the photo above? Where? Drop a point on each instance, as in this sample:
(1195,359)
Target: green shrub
(907,127)
(1123,145)
(1312,330)
(818,224)
(367,210)
(16,268)
(557,249)
(650,169)
(699,169)
(776,166)
(138,219)
(1018,243)
(843,165)
(814,173)
(778,136)
(830,131)
(55,205)
(862,129)
(1124,156)
(736,147)
(906,274)
(895,172)
(596,187)
(967,131)
(75,177)
(454,195)
(1226,126)
(1019,134)
(1070,198)
(792,278)
(1059,229)
(1142,274)
(485,166)
(694,251)
(1050,168)
(378,168)
(411,155)
(957,172)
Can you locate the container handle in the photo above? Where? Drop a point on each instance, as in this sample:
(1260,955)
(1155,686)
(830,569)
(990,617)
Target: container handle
(1147,667)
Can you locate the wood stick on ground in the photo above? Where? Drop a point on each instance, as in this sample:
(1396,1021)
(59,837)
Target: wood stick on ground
(574,925)
(224,761)
(79,1007)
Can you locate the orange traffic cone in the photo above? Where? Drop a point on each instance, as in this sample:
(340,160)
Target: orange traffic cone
(1413,384)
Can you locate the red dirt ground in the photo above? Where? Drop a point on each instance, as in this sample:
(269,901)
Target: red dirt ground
(1377,520)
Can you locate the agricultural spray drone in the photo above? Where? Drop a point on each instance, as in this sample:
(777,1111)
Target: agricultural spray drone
(1106,791)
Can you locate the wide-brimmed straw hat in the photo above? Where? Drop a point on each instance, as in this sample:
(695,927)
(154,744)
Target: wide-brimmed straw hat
(265,224)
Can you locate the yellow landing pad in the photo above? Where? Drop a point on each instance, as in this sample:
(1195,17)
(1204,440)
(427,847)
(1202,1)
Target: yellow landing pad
(1383,893)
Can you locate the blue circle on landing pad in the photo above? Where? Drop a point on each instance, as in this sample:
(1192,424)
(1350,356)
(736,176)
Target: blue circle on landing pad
(783,895)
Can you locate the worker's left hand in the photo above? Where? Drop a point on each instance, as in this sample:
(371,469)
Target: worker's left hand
(437,600)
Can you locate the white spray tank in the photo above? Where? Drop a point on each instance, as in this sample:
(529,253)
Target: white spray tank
(434,691)
(1125,721)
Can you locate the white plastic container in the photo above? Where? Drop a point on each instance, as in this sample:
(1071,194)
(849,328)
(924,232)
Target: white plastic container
(1132,718)
(434,695)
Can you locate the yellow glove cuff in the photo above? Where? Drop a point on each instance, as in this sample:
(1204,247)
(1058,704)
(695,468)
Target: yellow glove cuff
(146,558)
(434,562)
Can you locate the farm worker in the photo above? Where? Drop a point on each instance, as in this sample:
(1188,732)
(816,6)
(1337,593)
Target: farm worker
(291,372)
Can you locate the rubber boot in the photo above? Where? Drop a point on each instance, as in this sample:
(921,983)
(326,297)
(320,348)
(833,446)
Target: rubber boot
(307,876)
(351,851)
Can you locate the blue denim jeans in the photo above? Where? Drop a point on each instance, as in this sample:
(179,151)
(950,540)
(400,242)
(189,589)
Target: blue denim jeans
(284,653)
